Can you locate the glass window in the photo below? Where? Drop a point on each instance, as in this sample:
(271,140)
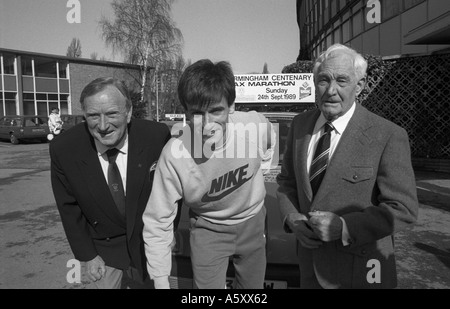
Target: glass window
(2,112)
(10,103)
(8,64)
(28,96)
(41,96)
(28,104)
(45,67)
(337,36)
(51,105)
(390,8)
(357,23)
(342,4)
(333,6)
(63,69)
(410,3)
(28,108)
(26,66)
(42,108)
(346,32)
(53,97)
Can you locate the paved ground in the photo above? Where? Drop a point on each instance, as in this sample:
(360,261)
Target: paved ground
(34,251)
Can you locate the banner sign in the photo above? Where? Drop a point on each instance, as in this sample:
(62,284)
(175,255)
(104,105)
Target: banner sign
(275,88)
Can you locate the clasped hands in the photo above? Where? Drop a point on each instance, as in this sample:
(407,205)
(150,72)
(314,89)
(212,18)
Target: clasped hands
(322,226)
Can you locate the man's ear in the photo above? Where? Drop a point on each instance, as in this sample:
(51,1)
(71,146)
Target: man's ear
(129,114)
(231,108)
(360,85)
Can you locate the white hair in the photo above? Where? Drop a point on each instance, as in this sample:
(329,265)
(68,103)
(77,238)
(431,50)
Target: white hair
(359,63)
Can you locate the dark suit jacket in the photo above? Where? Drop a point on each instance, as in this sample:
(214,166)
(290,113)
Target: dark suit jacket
(369,182)
(90,218)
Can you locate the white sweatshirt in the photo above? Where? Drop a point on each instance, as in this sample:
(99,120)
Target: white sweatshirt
(228,188)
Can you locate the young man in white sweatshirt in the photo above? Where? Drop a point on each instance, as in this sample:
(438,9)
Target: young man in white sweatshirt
(215,167)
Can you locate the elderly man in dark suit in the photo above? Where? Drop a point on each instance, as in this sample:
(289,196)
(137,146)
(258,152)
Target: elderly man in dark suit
(347,183)
(102,173)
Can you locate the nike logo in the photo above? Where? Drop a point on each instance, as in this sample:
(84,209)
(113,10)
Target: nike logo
(225,184)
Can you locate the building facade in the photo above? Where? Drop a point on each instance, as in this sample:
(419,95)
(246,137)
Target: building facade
(377,27)
(34,83)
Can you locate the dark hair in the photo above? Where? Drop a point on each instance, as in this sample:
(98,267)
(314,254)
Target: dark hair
(55,109)
(100,84)
(205,82)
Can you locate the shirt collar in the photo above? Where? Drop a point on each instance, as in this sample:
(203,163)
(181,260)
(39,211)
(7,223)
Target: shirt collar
(123,146)
(339,124)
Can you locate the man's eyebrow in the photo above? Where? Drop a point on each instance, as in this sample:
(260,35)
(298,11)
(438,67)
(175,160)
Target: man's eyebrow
(216,109)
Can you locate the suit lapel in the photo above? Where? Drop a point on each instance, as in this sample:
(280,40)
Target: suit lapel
(302,152)
(92,172)
(136,173)
(352,142)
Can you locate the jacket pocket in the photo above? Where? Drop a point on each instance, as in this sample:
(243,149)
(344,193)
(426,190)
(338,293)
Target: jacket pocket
(358,173)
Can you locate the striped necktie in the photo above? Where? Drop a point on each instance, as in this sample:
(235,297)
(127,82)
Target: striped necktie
(115,181)
(320,160)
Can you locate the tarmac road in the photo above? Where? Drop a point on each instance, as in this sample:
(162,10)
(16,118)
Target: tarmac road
(34,250)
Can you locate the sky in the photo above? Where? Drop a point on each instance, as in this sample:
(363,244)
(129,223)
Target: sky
(247,33)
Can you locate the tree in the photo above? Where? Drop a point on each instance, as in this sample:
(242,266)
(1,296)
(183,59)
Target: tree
(265,70)
(74,49)
(94,56)
(143,31)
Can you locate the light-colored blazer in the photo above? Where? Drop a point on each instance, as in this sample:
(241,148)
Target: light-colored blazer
(369,182)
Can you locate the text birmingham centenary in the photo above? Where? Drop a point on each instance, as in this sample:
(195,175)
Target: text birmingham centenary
(263,80)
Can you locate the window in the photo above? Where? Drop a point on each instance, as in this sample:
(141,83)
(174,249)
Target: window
(44,67)
(28,104)
(64,103)
(63,69)
(346,32)
(357,23)
(390,8)
(9,64)
(27,66)
(2,112)
(410,3)
(342,4)
(10,103)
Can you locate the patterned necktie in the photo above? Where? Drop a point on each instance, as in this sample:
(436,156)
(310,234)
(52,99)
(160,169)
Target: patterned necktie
(115,181)
(320,160)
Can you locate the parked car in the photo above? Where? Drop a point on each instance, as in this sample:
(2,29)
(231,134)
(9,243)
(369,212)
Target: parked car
(71,120)
(282,264)
(18,128)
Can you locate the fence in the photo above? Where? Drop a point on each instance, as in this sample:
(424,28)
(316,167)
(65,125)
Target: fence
(414,92)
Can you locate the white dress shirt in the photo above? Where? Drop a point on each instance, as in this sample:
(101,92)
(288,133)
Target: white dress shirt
(121,159)
(339,124)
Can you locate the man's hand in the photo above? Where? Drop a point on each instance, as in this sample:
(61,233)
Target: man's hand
(298,223)
(95,268)
(326,225)
(161,282)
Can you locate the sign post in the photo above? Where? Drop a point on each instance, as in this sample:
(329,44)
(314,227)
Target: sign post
(275,88)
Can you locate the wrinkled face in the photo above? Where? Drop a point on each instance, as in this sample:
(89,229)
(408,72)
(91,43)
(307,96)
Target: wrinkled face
(106,116)
(337,86)
(213,119)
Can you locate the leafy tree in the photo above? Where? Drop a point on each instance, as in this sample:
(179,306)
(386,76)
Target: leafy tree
(265,70)
(74,49)
(144,33)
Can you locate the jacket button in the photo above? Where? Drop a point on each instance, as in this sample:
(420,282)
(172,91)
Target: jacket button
(95,222)
(363,252)
(107,239)
(355,177)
